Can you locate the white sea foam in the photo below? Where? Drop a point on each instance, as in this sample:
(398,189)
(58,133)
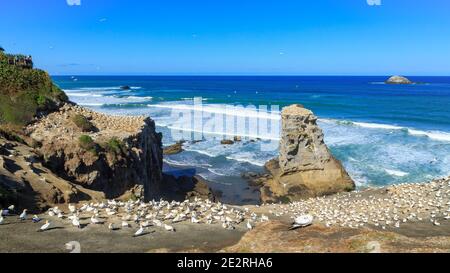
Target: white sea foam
(216,172)
(247,158)
(222,133)
(396,172)
(228,110)
(185,164)
(435,135)
(377,126)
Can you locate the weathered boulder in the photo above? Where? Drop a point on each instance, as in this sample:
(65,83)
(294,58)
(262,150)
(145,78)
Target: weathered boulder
(305,167)
(173,149)
(398,80)
(227,142)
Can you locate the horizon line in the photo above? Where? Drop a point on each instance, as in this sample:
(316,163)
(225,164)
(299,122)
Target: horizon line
(237,75)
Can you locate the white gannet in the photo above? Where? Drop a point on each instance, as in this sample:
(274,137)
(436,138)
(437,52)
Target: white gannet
(76,222)
(23,215)
(249,226)
(45,227)
(1,219)
(72,208)
(125,224)
(302,221)
(157,223)
(169,228)
(11,208)
(111,226)
(139,232)
(36,219)
(194,220)
(94,220)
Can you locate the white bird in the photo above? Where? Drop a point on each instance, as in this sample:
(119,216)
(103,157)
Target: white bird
(94,220)
(249,226)
(72,208)
(111,226)
(125,224)
(194,220)
(76,222)
(169,228)
(302,221)
(1,219)
(23,215)
(45,227)
(139,232)
(157,223)
(11,208)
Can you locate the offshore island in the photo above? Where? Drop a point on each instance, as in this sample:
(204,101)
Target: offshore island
(74,174)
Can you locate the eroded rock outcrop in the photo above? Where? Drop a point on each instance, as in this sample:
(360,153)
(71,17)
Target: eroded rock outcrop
(119,154)
(27,183)
(305,166)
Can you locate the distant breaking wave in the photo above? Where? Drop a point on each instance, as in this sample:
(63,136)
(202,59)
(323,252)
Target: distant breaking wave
(435,135)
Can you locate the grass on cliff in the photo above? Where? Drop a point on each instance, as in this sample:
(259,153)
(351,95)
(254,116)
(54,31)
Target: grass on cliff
(88,144)
(114,146)
(83,123)
(25,92)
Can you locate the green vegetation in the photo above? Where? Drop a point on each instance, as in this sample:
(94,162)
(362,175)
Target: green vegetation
(83,123)
(114,146)
(87,143)
(24,92)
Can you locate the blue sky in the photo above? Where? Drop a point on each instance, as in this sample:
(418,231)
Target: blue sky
(221,37)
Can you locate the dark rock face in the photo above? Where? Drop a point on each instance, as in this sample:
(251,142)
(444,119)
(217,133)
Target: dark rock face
(305,167)
(398,80)
(125,87)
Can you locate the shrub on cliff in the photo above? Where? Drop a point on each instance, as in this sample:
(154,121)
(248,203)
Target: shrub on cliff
(83,123)
(114,146)
(87,143)
(25,92)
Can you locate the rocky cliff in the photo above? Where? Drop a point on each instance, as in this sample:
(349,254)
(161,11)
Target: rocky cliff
(305,166)
(110,154)
(86,154)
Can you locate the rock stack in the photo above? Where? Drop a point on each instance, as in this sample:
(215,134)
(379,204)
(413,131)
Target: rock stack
(305,166)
